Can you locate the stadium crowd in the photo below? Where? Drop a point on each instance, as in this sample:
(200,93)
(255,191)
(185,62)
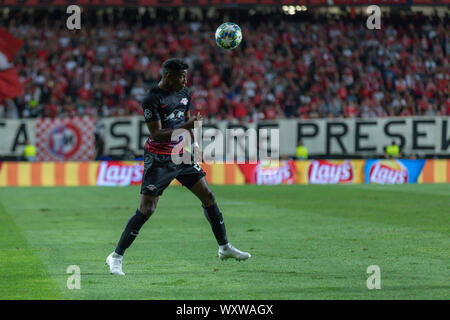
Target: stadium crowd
(309,68)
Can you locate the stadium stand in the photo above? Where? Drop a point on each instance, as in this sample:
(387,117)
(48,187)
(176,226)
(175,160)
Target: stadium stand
(310,66)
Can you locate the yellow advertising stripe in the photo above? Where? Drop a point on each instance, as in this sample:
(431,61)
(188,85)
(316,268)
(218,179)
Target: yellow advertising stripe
(48,174)
(3,175)
(218,174)
(358,167)
(302,175)
(71,174)
(420,178)
(440,171)
(93,170)
(239,177)
(24,174)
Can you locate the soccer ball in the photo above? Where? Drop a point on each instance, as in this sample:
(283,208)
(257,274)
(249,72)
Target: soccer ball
(228,36)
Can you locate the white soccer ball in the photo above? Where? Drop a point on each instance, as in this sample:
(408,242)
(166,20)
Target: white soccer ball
(228,36)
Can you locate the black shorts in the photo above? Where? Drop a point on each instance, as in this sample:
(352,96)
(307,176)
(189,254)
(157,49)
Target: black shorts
(159,171)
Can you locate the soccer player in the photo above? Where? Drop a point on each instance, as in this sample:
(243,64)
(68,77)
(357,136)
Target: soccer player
(166,108)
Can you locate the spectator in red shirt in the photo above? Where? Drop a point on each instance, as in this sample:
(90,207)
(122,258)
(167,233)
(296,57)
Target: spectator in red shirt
(350,110)
(239,110)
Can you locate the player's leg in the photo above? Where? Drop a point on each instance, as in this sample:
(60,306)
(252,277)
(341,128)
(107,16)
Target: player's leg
(146,208)
(156,178)
(215,219)
(211,210)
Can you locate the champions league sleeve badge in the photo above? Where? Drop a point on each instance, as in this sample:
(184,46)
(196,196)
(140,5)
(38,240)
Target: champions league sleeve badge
(147,114)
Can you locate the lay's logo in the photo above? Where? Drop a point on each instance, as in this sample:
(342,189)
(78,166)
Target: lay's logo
(388,172)
(273,173)
(330,172)
(116,173)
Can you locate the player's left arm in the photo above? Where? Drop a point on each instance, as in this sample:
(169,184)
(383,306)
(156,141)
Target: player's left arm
(194,148)
(187,116)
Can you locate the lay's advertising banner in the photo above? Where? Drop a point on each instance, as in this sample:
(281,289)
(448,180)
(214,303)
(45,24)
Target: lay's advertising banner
(269,172)
(392,171)
(126,173)
(103,173)
(330,171)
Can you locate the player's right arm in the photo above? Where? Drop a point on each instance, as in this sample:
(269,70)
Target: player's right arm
(153,121)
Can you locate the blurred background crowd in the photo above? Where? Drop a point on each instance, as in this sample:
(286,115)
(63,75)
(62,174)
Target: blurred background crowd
(302,66)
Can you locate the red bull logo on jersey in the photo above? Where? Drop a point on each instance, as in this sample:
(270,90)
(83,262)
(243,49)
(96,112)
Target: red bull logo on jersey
(388,172)
(330,172)
(114,173)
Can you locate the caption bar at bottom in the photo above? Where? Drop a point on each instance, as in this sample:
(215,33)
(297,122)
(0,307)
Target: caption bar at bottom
(226,309)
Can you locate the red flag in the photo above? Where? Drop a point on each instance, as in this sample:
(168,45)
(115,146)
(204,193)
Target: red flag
(10,86)
(9,44)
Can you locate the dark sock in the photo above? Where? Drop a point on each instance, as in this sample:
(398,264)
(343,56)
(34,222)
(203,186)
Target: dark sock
(131,231)
(215,219)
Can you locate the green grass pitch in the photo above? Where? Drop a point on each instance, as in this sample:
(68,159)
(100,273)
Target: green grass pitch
(307,242)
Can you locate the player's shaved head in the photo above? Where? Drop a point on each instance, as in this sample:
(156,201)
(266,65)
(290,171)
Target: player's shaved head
(175,65)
